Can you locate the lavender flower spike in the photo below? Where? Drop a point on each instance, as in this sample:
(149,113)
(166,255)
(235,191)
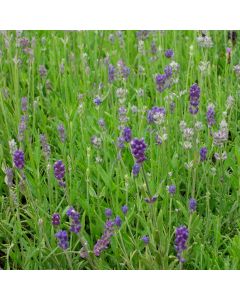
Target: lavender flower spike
(105,239)
(62,237)
(194,98)
(18,158)
(59,170)
(203,153)
(118,221)
(124,209)
(211,115)
(136,169)
(156,115)
(75,220)
(108,212)
(172,189)
(181,241)
(138,149)
(127,134)
(111,73)
(56,219)
(169,53)
(145,239)
(24,101)
(192,205)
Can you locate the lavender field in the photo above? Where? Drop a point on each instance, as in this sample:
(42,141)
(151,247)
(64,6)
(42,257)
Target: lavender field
(120,150)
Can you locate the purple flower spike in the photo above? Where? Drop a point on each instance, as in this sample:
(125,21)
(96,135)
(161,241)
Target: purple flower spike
(101,122)
(145,239)
(192,205)
(118,221)
(124,209)
(108,212)
(24,101)
(138,149)
(127,134)
(211,116)
(194,98)
(172,189)
(136,169)
(181,241)
(161,82)
(18,158)
(169,53)
(203,153)
(75,220)
(156,114)
(105,239)
(194,94)
(120,143)
(111,73)
(62,237)
(168,71)
(59,170)
(97,101)
(70,211)
(56,219)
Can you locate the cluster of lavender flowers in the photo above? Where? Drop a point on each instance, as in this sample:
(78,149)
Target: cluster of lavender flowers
(125,137)
(18,158)
(121,71)
(210,115)
(169,53)
(164,81)
(19,163)
(111,73)
(171,189)
(75,220)
(109,228)
(181,242)
(194,94)
(203,154)
(56,219)
(105,239)
(26,45)
(138,148)
(75,226)
(62,237)
(59,172)
(156,115)
(192,205)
